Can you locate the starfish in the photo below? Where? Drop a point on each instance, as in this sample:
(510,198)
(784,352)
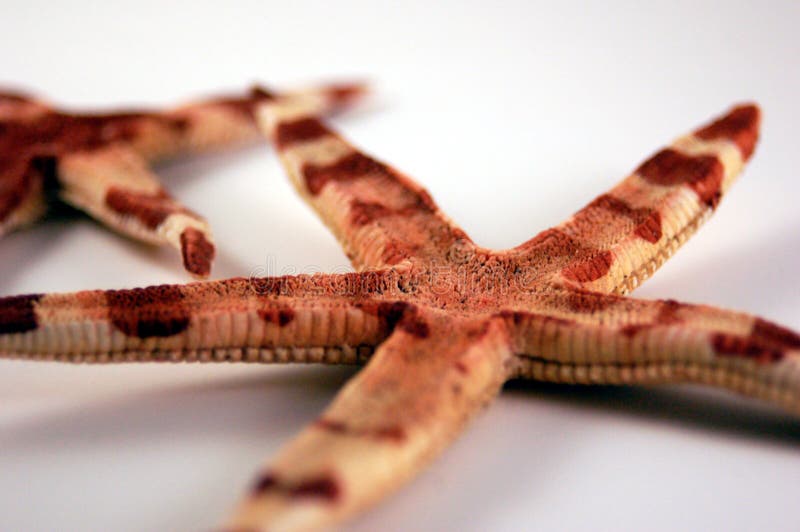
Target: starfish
(439,322)
(99,162)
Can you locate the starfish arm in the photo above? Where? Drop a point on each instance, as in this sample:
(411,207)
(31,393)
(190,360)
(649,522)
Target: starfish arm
(17,105)
(22,199)
(380,216)
(622,237)
(225,121)
(310,318)
(592,338)
(114,185)
(397,414)
(99,160)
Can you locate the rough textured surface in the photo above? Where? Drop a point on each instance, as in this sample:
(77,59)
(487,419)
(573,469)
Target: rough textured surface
(441,322)
(99,162)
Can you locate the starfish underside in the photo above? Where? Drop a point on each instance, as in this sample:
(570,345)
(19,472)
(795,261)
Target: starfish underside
(440,322)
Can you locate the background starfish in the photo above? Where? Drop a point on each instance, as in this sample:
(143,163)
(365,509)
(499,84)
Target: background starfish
(448,321)
(99,162)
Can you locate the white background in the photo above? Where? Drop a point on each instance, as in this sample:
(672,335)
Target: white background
(514,115)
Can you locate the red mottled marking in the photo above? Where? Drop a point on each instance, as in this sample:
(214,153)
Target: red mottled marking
(301,130)
(767,342)
(393,433)
(771,334)
(246,106)
(461,367)
(742,346)
(414,325)
(344,94)
(126,126)
(264,483)
(149,209)
(667,315)
(53,134)
(364,212)
(277,316)
(319,488)
(584,302)
(648,221)
(197,252)
(155,311)
(58,133)
(403,316)
(350,167)
(423,201)
(650,228)
(323,487)
(395,252)
(18,314)
(741,126)
(514,315)
(703,173)
(14,97)
(519,317)
(558,249)
(336,427)
(397,315)
(390,313)
(590,268)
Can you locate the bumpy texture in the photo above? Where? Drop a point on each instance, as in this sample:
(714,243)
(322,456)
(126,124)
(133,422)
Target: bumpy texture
(440,322)
(99,162)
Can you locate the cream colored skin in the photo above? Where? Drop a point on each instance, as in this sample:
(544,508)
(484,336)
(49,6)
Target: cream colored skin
(448,323)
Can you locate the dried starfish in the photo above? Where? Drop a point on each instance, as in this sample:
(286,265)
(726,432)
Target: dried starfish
(441,322)
(99,162)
